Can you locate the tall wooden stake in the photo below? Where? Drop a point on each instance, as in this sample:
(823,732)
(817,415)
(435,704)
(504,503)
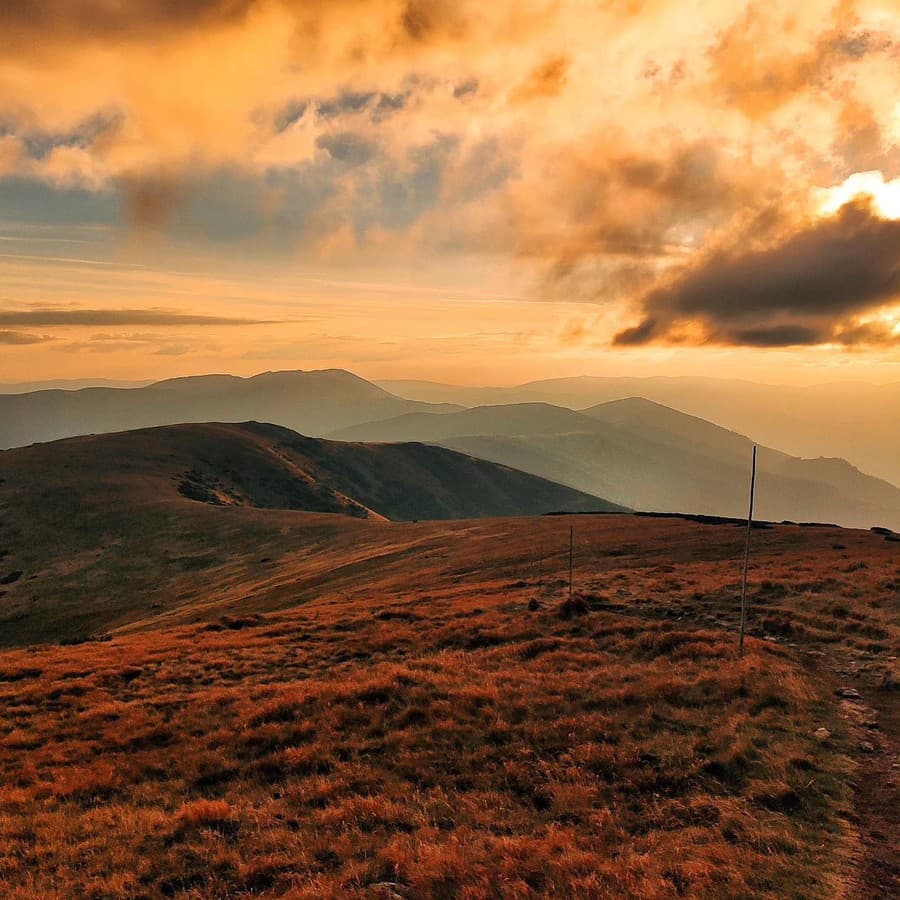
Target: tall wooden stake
(571,549)
(747,554)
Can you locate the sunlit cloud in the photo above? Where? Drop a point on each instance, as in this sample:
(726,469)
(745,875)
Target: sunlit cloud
(609,154)
(883,195)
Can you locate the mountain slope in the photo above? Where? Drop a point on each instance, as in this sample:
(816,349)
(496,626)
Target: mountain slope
(312,402)
(859,422)
(96,530)
(519,418)
(270,467)
(822,483)
(637,414)
(648,456)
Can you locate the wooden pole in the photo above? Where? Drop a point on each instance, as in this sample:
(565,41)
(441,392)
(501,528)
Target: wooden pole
(571,554)
(747,554)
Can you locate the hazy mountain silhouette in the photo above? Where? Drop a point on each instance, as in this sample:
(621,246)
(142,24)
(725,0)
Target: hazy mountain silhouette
(68,384)
(860,422)
(648,456)
(312,402)
(635,452)
(519,418)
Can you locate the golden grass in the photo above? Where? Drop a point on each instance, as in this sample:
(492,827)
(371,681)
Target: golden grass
(435,725)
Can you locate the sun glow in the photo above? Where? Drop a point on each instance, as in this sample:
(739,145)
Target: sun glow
(885,195)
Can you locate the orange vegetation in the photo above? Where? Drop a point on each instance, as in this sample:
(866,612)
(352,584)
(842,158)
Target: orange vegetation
(449,732)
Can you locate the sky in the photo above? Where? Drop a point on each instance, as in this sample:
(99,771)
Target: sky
(450,189)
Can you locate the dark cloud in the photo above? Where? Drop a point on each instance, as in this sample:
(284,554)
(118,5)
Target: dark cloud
(94,128)
(111,317)
(22,339)
(347,147)
(115,18)
(804,290)
(639,334)
(466,88)
(347,102)
(377,105)
(780,336)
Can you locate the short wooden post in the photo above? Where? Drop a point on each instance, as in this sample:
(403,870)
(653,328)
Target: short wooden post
(747,554)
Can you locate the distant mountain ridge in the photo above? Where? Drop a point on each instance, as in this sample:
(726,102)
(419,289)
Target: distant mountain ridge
(312,402)
(650,457)
(634,450)
(512,419)
(68,384)
(855,421)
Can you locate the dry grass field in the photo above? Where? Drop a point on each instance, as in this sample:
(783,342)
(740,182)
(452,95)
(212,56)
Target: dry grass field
(347,708)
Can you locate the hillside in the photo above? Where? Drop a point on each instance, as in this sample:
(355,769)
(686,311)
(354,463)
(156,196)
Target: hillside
(648,456)
(519,418)
(856,421)
(97,525)
(424,715)
(311,402)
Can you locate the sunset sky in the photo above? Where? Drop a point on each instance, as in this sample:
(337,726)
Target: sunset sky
(476,192)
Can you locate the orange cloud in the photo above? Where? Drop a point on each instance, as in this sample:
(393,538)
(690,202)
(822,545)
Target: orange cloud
(603,146)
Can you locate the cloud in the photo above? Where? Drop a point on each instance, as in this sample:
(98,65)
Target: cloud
(111,317)
(84,18)
(127,342)
(606,216)
(173,350)
(12,154)
(423,129)
(767,57)
(546,80)
(347,147)
(22,339)
(806,289)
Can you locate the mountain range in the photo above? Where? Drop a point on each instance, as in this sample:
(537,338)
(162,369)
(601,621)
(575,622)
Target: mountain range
(856,421)
(312,402)
(651,457)
(633,451)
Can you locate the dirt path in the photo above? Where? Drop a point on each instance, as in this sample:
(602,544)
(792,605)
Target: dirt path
(872,716)
(871,710)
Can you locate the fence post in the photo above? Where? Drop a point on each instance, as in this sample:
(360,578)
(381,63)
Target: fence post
(747,554)
(571,554)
